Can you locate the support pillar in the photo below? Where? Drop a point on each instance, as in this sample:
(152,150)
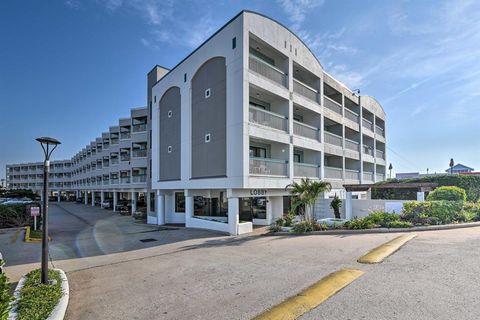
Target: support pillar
(93,198)
(420,196)
(348,206)
(160,209)
(59,196)
(188,208)
(102,198)
(115,201)
(134,202)
(233,215)
(85,199)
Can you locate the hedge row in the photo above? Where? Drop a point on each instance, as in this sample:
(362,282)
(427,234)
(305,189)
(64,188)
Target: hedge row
(15,215)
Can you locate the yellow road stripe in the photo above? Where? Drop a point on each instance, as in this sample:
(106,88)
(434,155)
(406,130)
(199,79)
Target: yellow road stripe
(295,306)
(381,252)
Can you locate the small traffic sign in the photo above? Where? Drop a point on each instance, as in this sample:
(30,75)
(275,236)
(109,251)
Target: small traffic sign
(35,211)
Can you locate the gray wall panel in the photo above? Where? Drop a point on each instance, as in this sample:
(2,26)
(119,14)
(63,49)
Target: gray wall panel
(170,135)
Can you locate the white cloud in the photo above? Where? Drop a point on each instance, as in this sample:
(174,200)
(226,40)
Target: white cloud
(73,4)
(297,9)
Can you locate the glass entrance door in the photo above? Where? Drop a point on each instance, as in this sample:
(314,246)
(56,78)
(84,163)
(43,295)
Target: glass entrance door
(253,208)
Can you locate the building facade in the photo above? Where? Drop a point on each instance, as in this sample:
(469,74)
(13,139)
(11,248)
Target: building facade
(244,115)
(224,132)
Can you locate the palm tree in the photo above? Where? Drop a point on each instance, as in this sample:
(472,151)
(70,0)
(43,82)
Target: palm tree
(306,193)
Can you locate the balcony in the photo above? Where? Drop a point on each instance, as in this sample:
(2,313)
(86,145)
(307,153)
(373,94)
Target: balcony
(333,139)
(142,127)
(125,135)
(266,70)
(268,119)
(368,150)
(368,176)
(139,179)
(305,90)
(114,161)
(139,153)
(114,181)
(267,166)
(367,124)
(305,130)
(380,131)
(333,173)
(306,170)
(380,154)
(352,145)
(352,174)
(349,114)
(124,180)
(380,177)
(332,105)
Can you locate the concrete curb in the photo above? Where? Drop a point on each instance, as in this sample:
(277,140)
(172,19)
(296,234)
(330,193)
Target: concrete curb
(34,240)
(60,309)
(381,230)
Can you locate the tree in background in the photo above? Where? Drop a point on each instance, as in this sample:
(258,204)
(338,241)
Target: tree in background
(305,193)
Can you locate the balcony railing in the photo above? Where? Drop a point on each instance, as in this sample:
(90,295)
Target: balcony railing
(114,141)
(379,130)
(125,135)
(380,154)
(139,153)
(352,145)
(125,180)
(125,157)
(270,167)
(306,170)
(333,173)
(114,181)
(139,179)
(139,127)
(332,138)
(106,182)
(305,90)
(367,124)
(114,161)
(380,177)
(267,118)
(349,114)
(368,150)
(305,130)
(332,105)
(267,70)
(352,174)
(368,176)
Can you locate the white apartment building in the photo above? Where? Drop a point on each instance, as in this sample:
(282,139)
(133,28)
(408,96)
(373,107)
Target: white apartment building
(245,114)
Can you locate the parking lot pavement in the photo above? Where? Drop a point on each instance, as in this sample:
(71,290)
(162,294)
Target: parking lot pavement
(85,236)
(435,276)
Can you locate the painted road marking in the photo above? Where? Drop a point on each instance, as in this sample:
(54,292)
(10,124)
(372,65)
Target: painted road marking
(310,298)
(378,254)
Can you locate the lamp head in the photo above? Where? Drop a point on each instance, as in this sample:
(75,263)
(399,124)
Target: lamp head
(46,142)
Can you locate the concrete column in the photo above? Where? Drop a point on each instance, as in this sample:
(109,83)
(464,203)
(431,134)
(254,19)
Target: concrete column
(85,199)
(41,197)
(134,202)
(369,194)
(59,196)
(348,206)
(233,215)
(93,198)
(102,197)
(149,196)
(420,196)
(115,201)
(160,208)
(188,207)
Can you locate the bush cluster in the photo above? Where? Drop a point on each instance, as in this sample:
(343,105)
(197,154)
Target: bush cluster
(14,215)
(450,193)
(308,226)
(5,296)
(433,212)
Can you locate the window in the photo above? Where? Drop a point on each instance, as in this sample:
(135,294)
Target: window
(154,98)
(169,149)
(234,43)
(258,152)
(207,138)
(184,77)
(170,113)
(207,93)
(298,156)
(179,202)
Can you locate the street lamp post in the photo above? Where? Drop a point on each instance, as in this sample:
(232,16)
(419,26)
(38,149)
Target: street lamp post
(48,145)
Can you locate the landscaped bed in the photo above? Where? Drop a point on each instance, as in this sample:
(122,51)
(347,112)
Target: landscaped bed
(444,206)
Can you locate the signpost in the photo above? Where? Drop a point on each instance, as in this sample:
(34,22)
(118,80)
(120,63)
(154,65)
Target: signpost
(35,212)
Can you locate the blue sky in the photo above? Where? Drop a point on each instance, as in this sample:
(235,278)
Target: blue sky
(71,68)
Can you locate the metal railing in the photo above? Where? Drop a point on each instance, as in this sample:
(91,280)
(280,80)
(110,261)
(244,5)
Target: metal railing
(139,179)
(114,161)
(125,135)
(267,70)
(352,174)
(139,153)
(266,166)
(125,180)
(367,176)
(305,130)
(368,150)
(332,105)
(139,127)
(333,173)
(106,182)
(268,118)
(332,138)
(306,170)
(380,130)
(114,141)
(352,145)
(380,177)
(114,181)
(380,154)
(349,114)
(367,124)
(305,90)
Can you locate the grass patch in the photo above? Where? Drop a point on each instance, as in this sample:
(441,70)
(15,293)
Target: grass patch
(35,234)
(37,300)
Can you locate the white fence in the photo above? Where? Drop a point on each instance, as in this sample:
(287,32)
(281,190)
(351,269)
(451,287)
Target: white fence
(360,207)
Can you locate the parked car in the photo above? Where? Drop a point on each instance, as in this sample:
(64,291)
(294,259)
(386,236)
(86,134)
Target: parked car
(107,204)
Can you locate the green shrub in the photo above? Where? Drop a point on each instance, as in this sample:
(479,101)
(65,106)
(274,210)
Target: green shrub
(450,193)
(5,296)
(382,218)
(359,223)
(399,224)
(473,209)
(280,222)
(275,228)
(445,211)
(308,226)
(37,300)
(288,219)
(14,215)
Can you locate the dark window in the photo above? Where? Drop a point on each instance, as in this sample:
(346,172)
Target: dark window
(155,99)
(184,77)
(179,202)
(258,152)
(234,43)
